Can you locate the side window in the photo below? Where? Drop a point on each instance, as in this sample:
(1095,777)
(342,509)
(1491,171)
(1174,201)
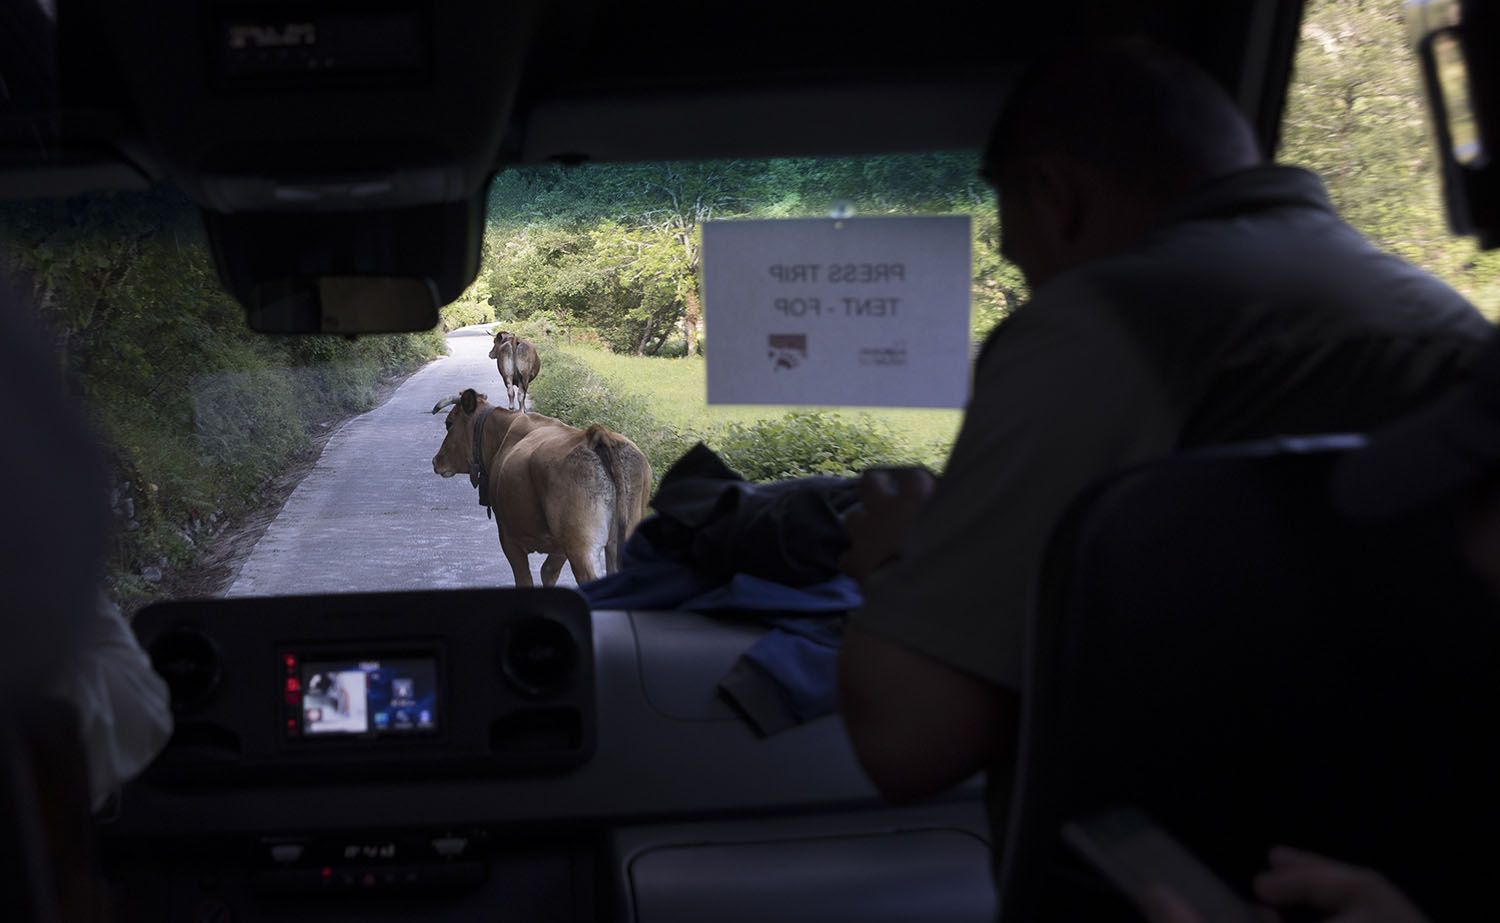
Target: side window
(1357,116)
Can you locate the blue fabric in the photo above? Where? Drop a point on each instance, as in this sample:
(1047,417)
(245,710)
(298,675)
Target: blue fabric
(744,593)
(652,579)
(799,655)
(648,585)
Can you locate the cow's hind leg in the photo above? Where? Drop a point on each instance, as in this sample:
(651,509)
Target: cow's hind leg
(520,563)
(581,556)
(552,568)
(612,555)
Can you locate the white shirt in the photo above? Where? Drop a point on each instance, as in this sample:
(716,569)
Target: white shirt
(124,712)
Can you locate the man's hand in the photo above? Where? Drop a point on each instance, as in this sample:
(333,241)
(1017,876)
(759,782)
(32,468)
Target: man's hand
(1160,904)
(892,498)
(1350,894)
(1303,879)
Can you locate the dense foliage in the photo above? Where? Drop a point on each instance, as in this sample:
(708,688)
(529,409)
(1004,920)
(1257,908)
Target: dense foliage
(803,443)
(198,412)
(616,248)
(1356,116)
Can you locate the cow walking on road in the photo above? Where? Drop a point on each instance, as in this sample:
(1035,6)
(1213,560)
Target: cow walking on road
(519,365)
(569,493)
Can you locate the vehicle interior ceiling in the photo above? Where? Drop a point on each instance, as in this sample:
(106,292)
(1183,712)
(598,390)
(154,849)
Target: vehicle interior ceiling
(616,786)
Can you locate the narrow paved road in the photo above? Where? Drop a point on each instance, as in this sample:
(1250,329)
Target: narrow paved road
(371,515)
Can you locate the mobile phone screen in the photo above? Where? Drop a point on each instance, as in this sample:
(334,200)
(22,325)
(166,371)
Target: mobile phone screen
(1135,854)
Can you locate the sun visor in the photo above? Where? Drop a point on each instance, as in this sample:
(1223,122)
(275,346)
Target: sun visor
(373,271)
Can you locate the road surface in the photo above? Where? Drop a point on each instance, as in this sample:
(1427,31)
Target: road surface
(372,516)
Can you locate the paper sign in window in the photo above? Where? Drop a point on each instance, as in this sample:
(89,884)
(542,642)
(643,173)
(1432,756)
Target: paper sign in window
(870,312)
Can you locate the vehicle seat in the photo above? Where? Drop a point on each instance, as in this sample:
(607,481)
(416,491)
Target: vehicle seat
(1215,645)
(47,846)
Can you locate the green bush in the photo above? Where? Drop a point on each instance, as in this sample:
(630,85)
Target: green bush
(805,443)
(551,328)
(465,314)
(197,412)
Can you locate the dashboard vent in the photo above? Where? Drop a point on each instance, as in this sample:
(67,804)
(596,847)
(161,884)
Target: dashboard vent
(539,655)
(189,662)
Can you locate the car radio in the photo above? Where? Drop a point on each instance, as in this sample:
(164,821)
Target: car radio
(376,685)
(362,693)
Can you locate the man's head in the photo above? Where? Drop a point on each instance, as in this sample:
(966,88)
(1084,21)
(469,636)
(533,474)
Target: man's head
(1096,140)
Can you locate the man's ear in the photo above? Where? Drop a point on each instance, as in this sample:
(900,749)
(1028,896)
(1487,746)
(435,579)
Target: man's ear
(1056,197)
(469,400)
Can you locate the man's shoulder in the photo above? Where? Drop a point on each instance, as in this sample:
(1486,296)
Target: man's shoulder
(1096,302)
(1068,306)
(1291,280)
(1301,265)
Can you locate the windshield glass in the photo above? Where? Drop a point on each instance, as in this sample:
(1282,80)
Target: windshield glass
(248,464)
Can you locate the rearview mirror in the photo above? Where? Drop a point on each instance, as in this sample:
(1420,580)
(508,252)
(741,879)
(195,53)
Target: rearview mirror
(383,270)
(345,304)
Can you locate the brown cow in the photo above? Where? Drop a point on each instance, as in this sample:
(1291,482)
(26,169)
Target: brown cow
(566,492)
(519,365)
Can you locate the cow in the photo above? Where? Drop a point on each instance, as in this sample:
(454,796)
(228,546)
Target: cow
(519,365)
(569,493)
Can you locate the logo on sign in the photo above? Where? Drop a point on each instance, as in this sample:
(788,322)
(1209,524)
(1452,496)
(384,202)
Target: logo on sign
(787,350)
(893,356)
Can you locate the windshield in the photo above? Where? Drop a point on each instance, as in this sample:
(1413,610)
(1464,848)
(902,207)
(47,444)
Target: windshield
(247,464)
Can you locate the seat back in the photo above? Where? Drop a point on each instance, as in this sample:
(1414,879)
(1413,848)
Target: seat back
(1214,644)
(49,867)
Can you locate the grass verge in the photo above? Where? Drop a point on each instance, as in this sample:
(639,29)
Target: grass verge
(660,405)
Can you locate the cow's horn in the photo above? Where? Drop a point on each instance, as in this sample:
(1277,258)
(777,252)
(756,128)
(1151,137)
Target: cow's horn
(446,402)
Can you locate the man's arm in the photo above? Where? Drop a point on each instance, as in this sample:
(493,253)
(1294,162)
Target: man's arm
(919,726)
(930,671)
(124,707)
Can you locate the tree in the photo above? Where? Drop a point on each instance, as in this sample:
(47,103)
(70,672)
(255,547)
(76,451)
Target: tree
(617,248)
(1356,115)
(644,222)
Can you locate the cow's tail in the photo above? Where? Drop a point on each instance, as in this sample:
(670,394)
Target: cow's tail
(601,440)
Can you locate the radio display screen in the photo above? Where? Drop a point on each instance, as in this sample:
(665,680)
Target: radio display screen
(384,697)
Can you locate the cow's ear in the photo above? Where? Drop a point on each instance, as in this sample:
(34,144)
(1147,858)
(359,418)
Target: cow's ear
(469,400)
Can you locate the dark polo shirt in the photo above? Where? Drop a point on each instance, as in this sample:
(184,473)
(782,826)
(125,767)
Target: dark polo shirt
(1251,311)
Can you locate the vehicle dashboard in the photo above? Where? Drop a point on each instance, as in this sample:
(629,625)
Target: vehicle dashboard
(571,765)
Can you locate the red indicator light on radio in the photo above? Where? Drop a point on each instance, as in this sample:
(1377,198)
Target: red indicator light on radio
(327,872)
(291,662)
(293,698)
(293,684)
